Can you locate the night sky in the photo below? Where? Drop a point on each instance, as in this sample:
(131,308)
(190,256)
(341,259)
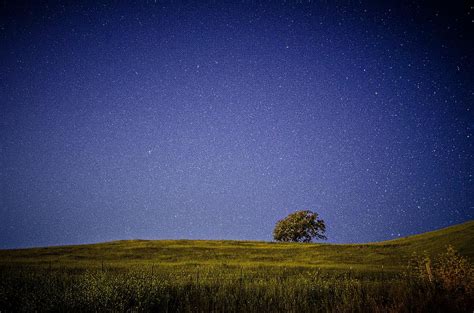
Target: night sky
(213,120)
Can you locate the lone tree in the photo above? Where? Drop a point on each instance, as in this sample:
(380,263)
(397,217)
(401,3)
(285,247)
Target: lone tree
(300,226)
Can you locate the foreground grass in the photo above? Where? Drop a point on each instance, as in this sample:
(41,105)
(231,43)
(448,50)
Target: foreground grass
(220,290)
(233,276)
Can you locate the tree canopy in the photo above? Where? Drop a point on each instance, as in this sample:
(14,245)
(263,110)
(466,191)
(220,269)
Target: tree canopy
(300,226)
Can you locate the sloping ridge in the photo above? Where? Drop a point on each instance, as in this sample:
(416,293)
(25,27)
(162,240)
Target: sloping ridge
(460,236)
(394,253)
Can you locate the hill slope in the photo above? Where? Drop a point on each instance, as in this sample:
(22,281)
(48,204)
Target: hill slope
(392,255)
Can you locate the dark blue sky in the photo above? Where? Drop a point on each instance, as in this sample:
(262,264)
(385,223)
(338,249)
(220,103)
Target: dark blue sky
(213,120)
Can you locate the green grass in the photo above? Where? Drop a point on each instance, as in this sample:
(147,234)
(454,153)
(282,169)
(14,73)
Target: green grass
(393,255)
(231,276)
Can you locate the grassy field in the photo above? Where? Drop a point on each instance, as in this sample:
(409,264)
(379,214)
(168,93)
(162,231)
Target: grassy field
(237,276)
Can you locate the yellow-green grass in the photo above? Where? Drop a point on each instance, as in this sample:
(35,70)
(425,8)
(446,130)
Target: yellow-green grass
(240,276)
(390,256)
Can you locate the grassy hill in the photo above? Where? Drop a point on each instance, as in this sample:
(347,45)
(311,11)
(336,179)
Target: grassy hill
(392,255)
(241,276)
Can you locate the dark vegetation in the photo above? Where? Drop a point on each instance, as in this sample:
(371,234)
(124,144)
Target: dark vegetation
(300,226)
